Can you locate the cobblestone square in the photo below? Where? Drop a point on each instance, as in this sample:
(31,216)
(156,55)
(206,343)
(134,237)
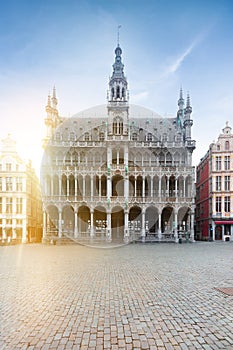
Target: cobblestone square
(151,296)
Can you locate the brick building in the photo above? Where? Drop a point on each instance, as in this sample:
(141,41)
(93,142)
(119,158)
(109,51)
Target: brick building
(214,190)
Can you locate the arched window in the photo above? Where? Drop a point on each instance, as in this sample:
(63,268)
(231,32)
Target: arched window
(123,93)
(117,127)
(118,92)
(112,93)
(227,145)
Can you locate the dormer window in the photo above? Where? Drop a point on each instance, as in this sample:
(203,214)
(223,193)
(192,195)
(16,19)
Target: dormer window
(227,145)
(117,126)
(102,136)
(86,136)
(149,137)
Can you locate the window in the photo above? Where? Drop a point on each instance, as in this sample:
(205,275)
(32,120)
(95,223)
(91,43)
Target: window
(117,126)
(0,183)
(19,205)
(0,204)
(9,202)
(19,184)
(218,147)
(227,204)
(9,221)
(218,163)
(8,183)
(134,136)
(8,166)
(102,136)
(72,136)
(149,137)
(218,204)
(227,162)
(86,136)
(227,183)
(19,222)
(218,183)
(227,145)
(164,137)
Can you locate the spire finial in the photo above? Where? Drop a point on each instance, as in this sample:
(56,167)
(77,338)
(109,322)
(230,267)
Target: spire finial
(188,100)
(118,34)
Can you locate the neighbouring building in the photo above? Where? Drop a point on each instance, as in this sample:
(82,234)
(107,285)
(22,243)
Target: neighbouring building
(214,190)
(118,171)
(20,198)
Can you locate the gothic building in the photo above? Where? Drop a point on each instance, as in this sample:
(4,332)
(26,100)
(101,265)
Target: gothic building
(118,172)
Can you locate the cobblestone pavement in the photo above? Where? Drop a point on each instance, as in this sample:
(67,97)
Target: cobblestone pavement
(159,296)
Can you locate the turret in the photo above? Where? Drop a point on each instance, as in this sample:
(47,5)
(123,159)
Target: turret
(180,113)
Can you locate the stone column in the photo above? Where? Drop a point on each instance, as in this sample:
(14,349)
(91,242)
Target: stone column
(176,231)
(67,186)
(176,193)
(109,228)
(92,179)
(44,223)
(126,230)
(143,225)
(75,187)
(59,223)
(60,185)
(99,186)
(75,223)
(92,233)
(84,186)
(160,187)
(159,231)
(143,186)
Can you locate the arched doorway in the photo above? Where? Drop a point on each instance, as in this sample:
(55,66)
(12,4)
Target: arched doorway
(52,220)
(183,219)
(84,219)
(167,220)
(68,219)
(117,223)
(135,219)
(100,221)
(152,220)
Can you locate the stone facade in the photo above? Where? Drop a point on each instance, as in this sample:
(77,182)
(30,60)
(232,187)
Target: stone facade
(118,172)
(20,198)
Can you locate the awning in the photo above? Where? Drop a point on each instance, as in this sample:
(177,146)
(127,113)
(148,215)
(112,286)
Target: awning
(226,222)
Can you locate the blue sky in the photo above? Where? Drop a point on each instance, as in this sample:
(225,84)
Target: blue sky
(70,44)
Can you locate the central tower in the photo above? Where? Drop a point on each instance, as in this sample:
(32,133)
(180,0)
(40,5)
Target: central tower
(118,95)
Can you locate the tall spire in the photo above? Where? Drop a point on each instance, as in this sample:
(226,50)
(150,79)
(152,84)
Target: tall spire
(118,86)
(181,100)
(54,98)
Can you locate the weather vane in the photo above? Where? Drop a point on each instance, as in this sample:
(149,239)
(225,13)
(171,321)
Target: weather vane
(118,34)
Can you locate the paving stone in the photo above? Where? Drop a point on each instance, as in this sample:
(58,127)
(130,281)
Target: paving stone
(135,297)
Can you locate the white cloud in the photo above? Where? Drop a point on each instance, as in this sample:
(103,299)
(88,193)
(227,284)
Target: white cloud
(175,65)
